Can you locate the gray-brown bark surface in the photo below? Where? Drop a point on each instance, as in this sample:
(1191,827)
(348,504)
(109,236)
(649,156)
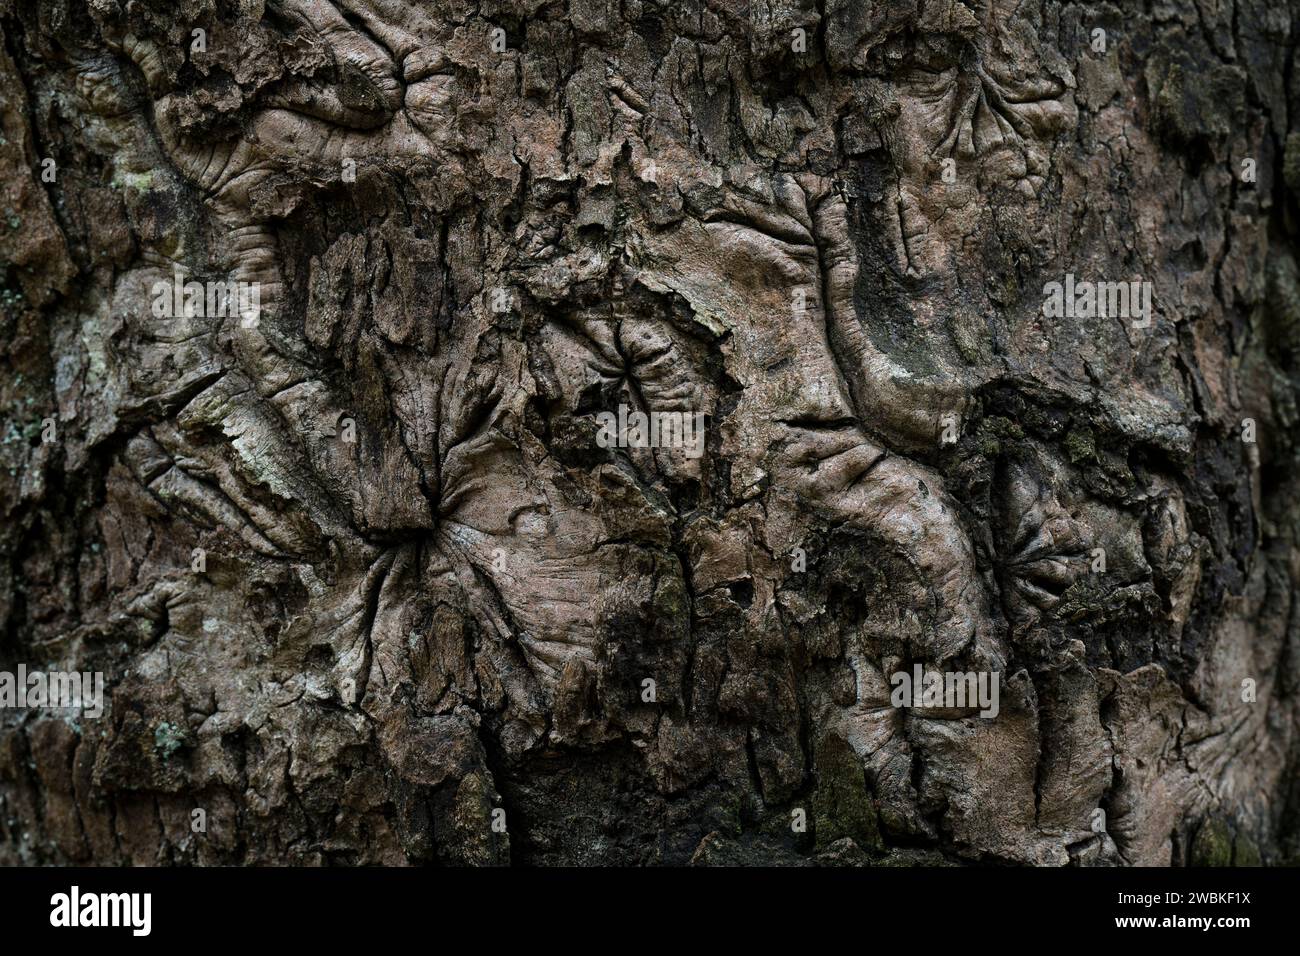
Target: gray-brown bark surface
(425,590)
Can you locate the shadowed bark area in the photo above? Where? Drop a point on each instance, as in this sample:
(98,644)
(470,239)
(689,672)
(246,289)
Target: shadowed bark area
(343,529)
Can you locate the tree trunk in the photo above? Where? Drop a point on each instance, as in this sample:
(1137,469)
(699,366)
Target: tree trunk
(845,432)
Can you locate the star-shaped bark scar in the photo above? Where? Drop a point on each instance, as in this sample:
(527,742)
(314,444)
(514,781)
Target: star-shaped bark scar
(980,109)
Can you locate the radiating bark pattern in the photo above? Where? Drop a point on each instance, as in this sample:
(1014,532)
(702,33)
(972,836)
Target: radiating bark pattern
(365,583)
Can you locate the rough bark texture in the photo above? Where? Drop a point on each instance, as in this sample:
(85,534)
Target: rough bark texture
(429,593)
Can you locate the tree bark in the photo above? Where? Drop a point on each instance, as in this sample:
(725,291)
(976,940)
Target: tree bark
(988,313)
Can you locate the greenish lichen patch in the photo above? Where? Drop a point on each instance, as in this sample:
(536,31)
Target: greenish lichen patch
(1081,445)
(842,805)
(167,739)
(994,433)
